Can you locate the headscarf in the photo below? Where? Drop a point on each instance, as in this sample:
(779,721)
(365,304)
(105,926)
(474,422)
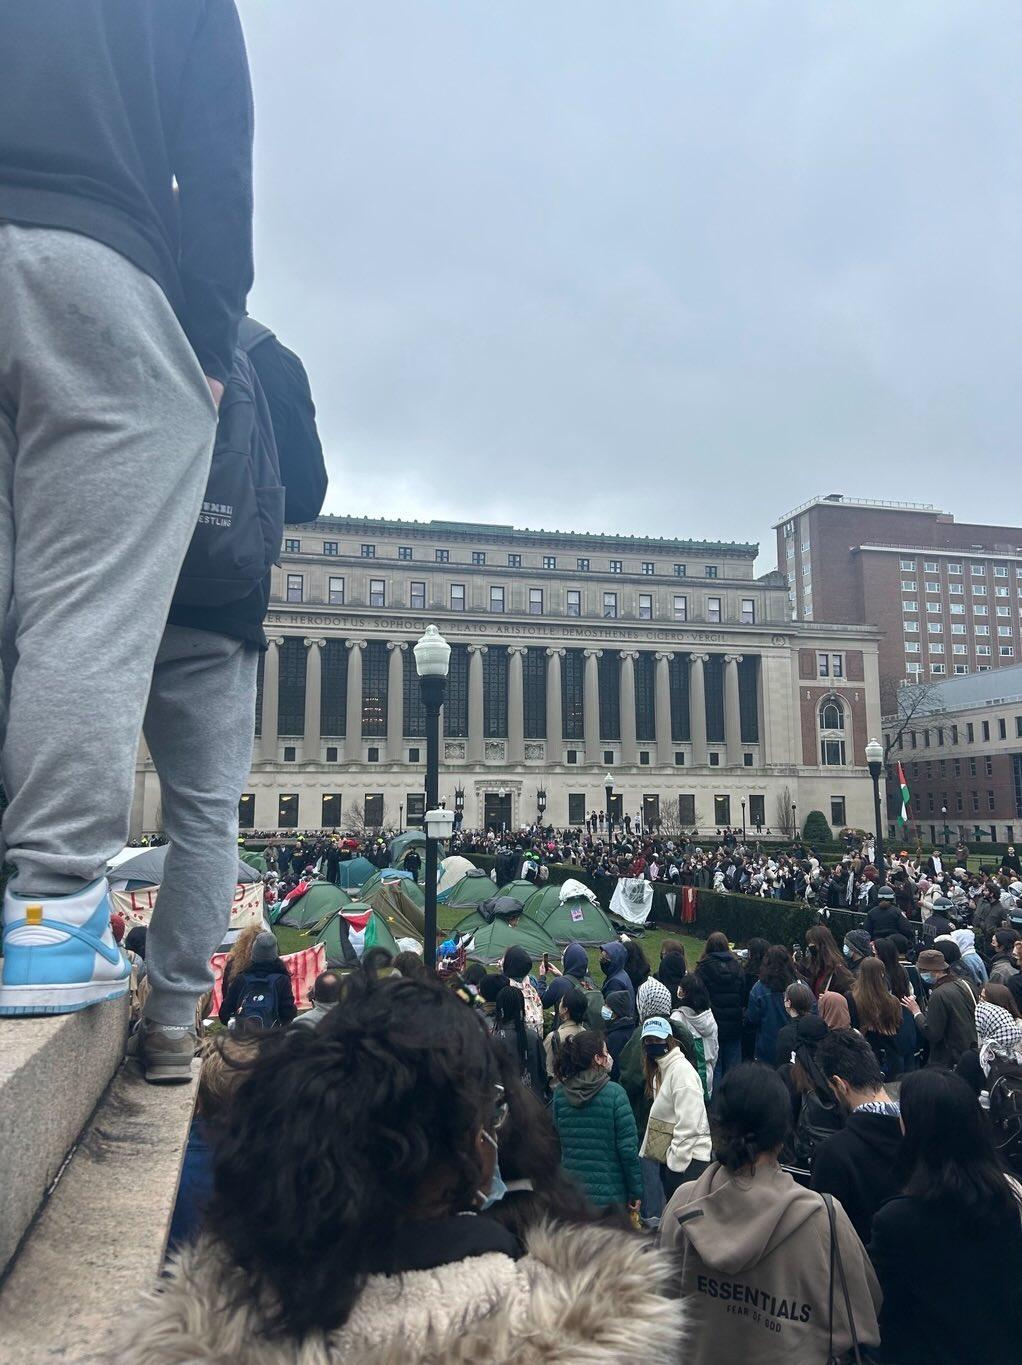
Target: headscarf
(999,1034)
(833,1010)
(653,999)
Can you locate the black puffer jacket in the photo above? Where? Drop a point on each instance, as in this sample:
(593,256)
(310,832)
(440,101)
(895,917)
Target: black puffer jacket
(721,974)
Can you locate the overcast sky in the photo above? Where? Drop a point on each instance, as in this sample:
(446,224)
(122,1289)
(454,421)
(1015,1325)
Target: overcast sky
(662,267)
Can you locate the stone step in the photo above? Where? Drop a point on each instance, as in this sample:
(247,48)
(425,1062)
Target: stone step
(53,1072)
(99,1240)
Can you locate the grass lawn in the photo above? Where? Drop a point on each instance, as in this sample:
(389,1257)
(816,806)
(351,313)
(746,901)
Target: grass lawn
(293,940)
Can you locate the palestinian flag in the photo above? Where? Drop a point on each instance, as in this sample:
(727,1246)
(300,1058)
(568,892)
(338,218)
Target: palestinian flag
(906,796)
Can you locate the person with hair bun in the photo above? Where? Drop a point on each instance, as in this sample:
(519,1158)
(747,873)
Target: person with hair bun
(755,1248)
(599,1142)
(344,1225)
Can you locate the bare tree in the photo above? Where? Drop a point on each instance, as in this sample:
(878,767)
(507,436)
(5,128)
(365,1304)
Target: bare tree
(902,704)
(785,820)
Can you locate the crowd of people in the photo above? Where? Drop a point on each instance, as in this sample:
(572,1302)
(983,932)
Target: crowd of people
(759,1154)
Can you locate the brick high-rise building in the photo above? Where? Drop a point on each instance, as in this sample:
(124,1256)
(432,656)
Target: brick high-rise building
(947,595)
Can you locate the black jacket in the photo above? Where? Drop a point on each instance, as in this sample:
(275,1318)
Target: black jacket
(254,972)
(887,919)
(952,1286)
(805,1032)
(102,107)
(721,974)
(617,1033)
(285,385)
(857,1165)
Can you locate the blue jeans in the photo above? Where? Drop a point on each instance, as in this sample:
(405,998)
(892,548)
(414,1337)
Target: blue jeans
(730,1055)
(653,1201)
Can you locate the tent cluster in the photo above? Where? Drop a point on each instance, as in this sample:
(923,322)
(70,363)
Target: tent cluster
(540,920)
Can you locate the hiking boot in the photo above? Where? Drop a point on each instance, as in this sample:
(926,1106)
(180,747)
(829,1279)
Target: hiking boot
(59,954)
(164,1053)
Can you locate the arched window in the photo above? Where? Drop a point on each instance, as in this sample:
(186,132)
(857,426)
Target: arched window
(832,725)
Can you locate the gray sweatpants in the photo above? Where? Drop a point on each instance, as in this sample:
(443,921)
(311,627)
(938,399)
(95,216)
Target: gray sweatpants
(199,727)
(106,431)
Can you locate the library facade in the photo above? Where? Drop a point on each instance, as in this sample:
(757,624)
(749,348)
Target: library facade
(665,665)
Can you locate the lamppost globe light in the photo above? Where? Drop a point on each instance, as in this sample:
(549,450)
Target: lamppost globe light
(874,752)
(432,654)
(608,781)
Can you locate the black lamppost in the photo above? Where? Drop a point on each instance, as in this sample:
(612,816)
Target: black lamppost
(947,832)
(794,822)
(608,783)
(432,660)
(875,763)
(743,820)
(541,804)
(459,806)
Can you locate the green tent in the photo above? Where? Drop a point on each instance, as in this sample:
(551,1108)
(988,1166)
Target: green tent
(342,954)
(521,890)
(491,941)
(321,899)
(400,902)
(356,871)
(399,846)
(255,860)
(472,889)
(384,874)
(578,920)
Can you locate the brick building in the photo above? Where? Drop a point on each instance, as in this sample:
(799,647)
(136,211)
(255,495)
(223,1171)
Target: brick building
(946,595)
(962,756)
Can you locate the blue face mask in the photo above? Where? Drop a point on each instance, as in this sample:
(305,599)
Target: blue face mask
(497,1189)
(928,977)
(847,951)
(606,1013)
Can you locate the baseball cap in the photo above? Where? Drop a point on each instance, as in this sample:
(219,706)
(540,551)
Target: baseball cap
(657,1028)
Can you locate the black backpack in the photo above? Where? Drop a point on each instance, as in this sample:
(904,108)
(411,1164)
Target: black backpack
(1004,1086)
(241,522)
(259,1006)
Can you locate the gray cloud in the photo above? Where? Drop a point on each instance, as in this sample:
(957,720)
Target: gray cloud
(666,267)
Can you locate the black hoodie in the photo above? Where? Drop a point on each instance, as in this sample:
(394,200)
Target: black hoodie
(857,1166)
(721,974)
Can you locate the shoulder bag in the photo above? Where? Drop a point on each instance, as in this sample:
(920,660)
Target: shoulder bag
(836,1262)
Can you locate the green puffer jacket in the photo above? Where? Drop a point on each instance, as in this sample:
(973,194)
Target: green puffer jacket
(599,1142)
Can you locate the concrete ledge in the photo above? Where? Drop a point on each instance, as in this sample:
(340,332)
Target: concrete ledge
(53,1072)
(100,1239)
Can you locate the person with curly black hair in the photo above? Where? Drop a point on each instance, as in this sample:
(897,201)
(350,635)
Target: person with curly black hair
(756,1249)
(344,1219)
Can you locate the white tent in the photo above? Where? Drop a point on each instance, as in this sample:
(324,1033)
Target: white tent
(452,870)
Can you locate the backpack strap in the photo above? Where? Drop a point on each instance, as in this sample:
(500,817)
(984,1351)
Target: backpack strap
(252,334)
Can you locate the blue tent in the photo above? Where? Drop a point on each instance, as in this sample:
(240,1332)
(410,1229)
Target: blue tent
(355,872)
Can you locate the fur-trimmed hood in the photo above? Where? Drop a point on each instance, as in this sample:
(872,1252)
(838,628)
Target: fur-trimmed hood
(580,1292)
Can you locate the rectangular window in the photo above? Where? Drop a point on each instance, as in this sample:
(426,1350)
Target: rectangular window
(330,547)
(576,808)
(837,811)
(647,567)
(954,568)
(970,733)
(933,608)
(292,547)
(377,592)
(479,557)
(748,611)
(442,556)
(908,585)
(1000,571)
(549,561)
(757,811)
(1001,592)
(908,564)
(1006,651)
(294,587)
(935,628)
(979,590)
(1002,728)
(981,630)
(1004,630)
(911,627)
(714,760)
(931,586)
(1003,611)
(680,607)
(574,602)
(645,606)
(956,589)
(330,810)
(913,647)
(979,611)
(823,665)
(608,758)
(711,571)
(978,570)
(679,571)
(832,753)
(930,566)
(513,561)
(936,648)
(610,605)
(679,759)
(909,604)
(991,803)
(937,669)
(644,758)
(372,810)
(616,566)
(335,591)
(983,651)
(457,597)
(957,609)
(417,596)
(331,753)
(368,551)
(713,608)
(535,601)
(687,810)
(571,756)
(404,552)
(415,808)
(290,753)
(837,665)
(959,649)
(497,600)
(582,565)
(246,811)
(721,810)
(287,810)
(957,630)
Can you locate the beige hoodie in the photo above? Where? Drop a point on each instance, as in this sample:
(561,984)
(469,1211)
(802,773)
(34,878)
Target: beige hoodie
(756,1270)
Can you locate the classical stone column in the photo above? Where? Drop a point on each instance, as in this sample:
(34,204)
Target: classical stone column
(353,713)
(311,743)
(732,711)
(697,708)
(395,700)
(662,698)
(515,705)
(554,716)
(591,705)
(475,703)
(271,698)
(626,692)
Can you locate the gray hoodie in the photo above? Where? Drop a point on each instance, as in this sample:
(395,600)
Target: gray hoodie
(756,1270)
